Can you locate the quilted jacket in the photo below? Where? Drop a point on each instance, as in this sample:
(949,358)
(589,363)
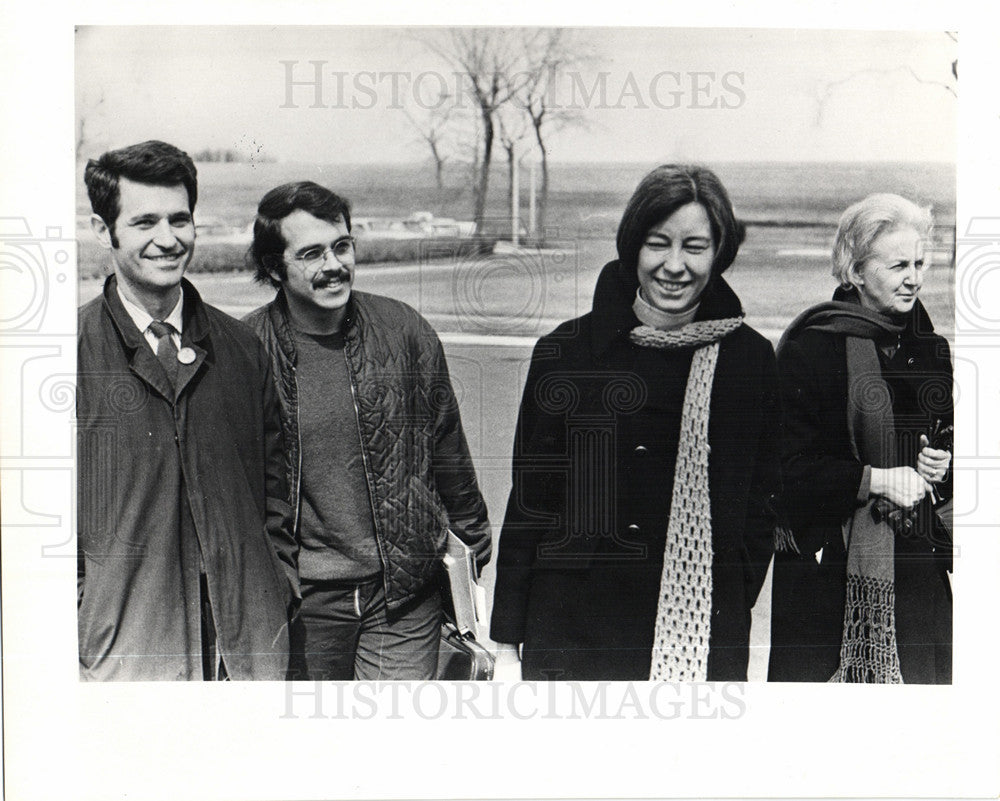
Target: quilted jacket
(421,480)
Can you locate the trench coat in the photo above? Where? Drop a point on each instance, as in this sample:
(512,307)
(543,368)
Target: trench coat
(170,485)
(822,484)
(581,549)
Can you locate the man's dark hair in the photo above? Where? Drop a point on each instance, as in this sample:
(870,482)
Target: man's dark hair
(151,162)
(268,242)
(664,191)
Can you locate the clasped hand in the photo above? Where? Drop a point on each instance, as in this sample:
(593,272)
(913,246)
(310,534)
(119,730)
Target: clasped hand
(906,486)
(932,464)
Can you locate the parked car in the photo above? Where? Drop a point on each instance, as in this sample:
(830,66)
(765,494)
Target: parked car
(213,229)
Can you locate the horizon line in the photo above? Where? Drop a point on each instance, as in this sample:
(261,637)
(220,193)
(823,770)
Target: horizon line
(611,162)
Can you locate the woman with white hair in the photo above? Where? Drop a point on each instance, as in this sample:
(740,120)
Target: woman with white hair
(860,590)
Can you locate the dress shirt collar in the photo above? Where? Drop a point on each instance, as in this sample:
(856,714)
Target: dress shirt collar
(142,318)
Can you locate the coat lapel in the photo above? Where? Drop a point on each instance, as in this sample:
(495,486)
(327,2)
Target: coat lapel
(148,368)
(185,372)
(195,336)
(142,361)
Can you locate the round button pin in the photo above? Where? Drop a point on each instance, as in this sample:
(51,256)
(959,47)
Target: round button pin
(185,356)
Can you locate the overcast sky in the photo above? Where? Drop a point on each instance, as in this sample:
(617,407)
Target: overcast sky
(645,94)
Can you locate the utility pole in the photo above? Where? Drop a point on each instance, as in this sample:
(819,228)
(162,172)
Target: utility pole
(515,198)
(532,219)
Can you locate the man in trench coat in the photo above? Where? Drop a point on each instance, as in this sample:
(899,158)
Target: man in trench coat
(186,562)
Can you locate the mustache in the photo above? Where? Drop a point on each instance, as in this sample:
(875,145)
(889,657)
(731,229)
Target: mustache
(180,250)
(326,277)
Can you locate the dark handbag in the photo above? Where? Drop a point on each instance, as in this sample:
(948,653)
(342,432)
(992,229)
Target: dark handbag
(461,658)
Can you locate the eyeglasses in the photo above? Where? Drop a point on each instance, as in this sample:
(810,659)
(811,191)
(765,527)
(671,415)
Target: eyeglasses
(342,250)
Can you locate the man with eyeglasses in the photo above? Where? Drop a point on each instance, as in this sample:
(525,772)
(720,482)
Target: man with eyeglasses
(379,468)
(186,558)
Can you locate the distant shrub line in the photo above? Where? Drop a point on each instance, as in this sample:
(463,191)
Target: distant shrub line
(228,257)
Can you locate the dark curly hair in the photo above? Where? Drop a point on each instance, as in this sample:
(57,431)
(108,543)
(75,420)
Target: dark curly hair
(268,241)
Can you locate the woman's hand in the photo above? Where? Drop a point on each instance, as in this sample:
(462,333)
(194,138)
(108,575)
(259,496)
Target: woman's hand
(932,464)
(904,486)
(508,664)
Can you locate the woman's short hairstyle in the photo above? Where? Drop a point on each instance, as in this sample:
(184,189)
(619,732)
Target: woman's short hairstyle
(865,221)
(268,242)
(665,190)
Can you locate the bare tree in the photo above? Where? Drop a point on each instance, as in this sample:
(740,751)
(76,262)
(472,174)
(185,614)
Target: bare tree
(466,141)
(489,60)
(510,73)
(548,55)
(433,126)
(513,127)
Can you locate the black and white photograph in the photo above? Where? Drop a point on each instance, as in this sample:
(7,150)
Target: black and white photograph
(502,390)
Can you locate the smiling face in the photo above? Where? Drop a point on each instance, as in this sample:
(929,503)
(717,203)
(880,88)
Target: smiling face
(889,280)
(675,260)
(317,283)
(153,242)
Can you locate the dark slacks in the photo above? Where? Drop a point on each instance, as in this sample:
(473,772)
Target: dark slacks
(344,631)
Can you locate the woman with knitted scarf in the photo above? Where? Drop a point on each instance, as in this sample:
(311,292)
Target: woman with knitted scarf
(639,526)
(860,590)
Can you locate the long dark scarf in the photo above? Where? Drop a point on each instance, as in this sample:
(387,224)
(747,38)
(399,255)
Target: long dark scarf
(868,651)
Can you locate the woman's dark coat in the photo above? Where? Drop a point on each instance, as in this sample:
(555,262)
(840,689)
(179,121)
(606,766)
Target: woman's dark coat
(581,549)
(822,480)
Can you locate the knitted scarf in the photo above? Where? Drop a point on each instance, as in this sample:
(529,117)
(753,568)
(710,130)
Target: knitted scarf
(868,651)
(684,609)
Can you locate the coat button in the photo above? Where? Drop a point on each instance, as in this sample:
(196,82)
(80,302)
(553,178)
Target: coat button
(911,361)
(634,529)
(641,450)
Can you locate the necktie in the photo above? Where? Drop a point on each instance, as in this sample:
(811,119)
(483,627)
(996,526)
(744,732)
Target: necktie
(166,350)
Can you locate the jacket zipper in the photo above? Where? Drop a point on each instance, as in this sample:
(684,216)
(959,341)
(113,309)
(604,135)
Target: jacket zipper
(368,483)
(298,457)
